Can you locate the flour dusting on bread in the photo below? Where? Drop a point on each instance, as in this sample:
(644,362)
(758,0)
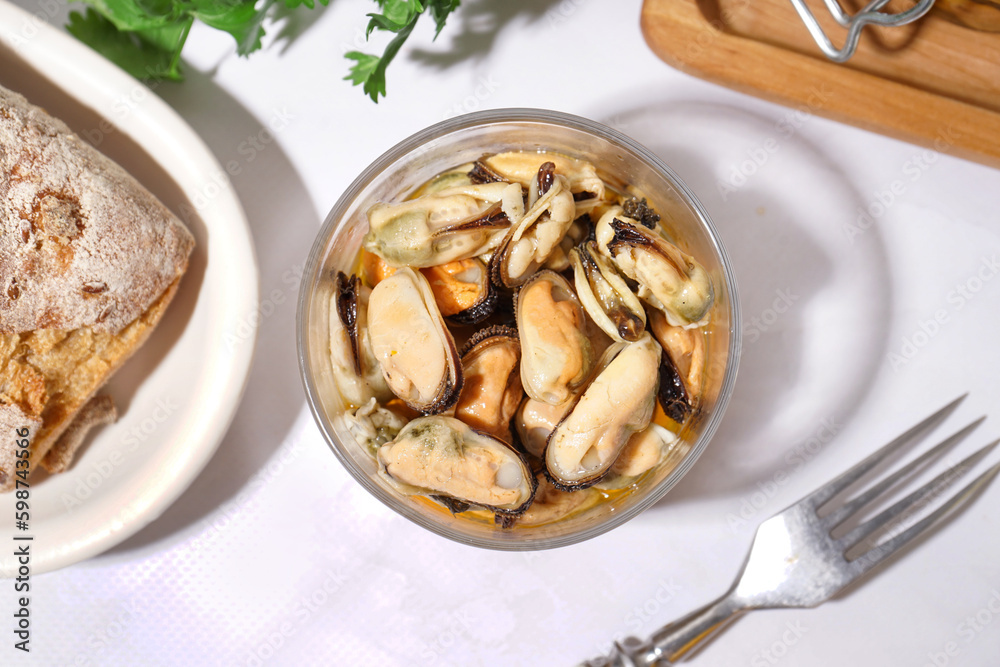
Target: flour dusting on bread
(89,261)
(83,243)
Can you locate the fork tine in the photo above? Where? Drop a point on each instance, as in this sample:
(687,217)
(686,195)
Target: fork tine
(932,488)
(877,554)
(822,495)
(848,509)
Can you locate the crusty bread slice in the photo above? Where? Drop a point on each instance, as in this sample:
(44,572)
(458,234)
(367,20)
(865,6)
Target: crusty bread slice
(95,412)
(89,261)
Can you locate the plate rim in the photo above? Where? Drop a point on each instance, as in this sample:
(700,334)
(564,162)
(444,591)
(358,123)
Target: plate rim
(95,82)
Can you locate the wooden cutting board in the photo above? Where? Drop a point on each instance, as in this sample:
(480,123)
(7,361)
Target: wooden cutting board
(932,83)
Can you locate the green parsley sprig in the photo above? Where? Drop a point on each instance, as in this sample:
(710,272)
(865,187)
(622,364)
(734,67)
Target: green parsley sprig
(145,37)
(398,16)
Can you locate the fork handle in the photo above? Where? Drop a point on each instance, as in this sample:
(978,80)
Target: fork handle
(672,642)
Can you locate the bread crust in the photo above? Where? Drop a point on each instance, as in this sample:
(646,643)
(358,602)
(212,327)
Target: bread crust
(83,243)
(89,260)
(97,411)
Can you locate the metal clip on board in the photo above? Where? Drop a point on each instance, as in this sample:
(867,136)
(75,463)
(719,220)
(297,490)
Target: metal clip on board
(871,14)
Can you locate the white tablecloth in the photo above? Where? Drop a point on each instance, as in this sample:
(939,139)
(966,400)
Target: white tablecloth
(867,270)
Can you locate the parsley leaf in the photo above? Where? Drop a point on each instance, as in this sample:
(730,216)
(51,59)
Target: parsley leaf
(362,71)
(440,9)
(152,52)
(240,18)
(145,37)
(399,17)
(295,4)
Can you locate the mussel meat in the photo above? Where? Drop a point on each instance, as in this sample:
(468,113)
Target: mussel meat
(605,295)
(682,366)
(374,269)
(668,278)
(374,424)
(552,504)
(534,422)
(522,166)
(356,371)
(455,223)
(558,259)
(412,344)
(617,403)
(444,457)
(556,355)
(643,451)
(463,290)
(492,389)
(532,239)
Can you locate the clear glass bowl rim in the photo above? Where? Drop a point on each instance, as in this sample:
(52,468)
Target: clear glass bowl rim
(513,115)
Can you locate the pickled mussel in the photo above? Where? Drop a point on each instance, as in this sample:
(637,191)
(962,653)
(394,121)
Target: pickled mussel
(605,295)
(534,422)
(682,367)
(646,449)
(454,223)
(374,424)
(412,344)
(522,167)
(491,392)
(617,403)
(532,239)
(557,355)
(668,278)
(356,371)
(463,290)
(552,504)
(442,456)
(559,258)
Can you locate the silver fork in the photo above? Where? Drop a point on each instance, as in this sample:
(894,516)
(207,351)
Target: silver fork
(796,562)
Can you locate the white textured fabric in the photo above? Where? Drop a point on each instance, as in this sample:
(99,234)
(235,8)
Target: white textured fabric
(275,556)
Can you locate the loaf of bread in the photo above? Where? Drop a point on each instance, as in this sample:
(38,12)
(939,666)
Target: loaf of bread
(89,261)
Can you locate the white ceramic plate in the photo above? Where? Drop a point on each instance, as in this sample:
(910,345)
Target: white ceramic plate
(178,394)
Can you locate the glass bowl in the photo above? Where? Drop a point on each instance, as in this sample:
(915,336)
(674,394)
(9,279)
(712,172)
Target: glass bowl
(395,175)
